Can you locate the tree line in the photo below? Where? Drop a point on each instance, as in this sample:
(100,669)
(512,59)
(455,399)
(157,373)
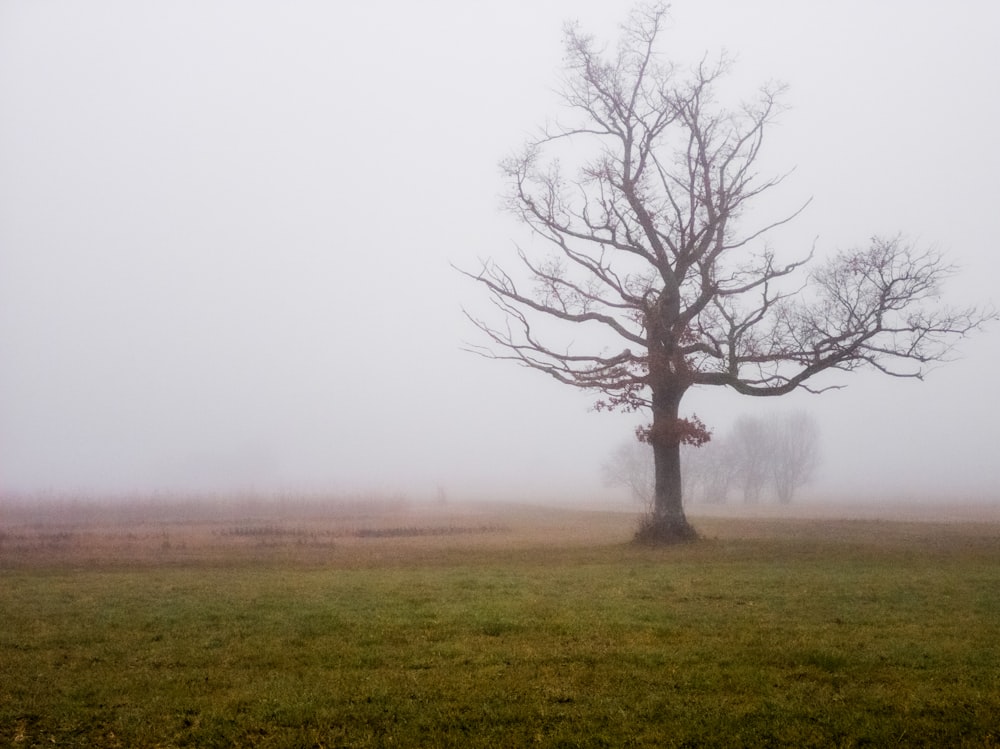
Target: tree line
(759,459)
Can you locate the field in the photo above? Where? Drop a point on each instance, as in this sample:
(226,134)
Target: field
(303,624)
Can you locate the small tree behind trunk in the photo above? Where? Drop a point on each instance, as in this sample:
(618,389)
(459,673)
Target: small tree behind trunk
(668,522)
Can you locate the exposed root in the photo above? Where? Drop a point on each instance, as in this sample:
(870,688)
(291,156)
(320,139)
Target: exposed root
(664,531)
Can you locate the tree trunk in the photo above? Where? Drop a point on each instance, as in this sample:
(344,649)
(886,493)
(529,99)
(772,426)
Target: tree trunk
(667,523)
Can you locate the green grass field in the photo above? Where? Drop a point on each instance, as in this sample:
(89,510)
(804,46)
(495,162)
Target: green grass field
(503,628)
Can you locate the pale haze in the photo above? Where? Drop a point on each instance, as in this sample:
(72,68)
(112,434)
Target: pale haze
(227,232)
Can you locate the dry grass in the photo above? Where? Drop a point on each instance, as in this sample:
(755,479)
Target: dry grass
(289,625)
(376,531)
(313,533)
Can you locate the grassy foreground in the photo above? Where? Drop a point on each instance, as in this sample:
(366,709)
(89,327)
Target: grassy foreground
(769,634)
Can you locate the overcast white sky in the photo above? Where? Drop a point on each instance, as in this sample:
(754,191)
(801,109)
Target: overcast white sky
(226,229)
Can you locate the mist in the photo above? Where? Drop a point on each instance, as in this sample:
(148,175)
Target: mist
(227,233)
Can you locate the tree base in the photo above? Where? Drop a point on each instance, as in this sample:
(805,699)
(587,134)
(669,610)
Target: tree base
(664,531)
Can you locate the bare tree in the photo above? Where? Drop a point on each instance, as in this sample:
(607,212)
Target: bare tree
(708,471)
(719,471)
(794,442)
(656,265)
(752,452)
(631,466)
(780,452)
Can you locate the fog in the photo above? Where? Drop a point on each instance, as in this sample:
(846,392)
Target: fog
(227,230)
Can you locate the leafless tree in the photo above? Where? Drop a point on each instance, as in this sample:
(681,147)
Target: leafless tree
(752,452)
(780,452)
(642,195)
(708,471)
(794,441)
(717,467)
(631,466)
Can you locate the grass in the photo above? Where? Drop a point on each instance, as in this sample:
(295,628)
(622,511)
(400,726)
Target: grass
(774,633)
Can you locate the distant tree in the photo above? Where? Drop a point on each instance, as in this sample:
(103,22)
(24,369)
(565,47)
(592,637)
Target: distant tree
(794,442)
(631,466)
(708,472)
(642,196)
(751,452)
(715,489)
(780,452)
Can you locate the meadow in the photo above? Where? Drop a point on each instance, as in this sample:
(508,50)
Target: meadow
(374,625)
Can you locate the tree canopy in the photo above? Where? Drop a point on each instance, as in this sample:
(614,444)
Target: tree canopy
(643,194)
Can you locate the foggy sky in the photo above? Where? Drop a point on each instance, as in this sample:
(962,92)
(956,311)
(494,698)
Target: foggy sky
(226,230)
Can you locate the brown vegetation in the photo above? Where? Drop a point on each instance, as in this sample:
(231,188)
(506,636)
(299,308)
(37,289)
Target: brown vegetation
(350,532)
